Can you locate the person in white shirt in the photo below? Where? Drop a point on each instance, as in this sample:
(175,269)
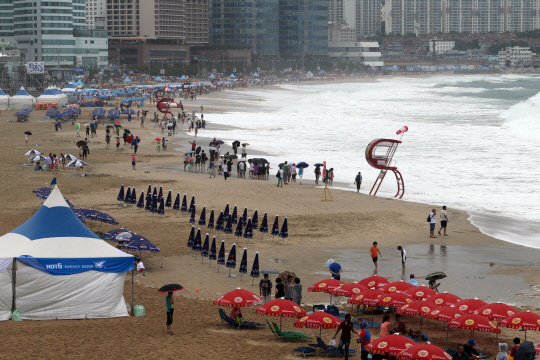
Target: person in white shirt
(413,281)
(251,171)
(220,167)
(244,151)
(140,266)
(444,220)
(432,222)
(242,167)
(225,171)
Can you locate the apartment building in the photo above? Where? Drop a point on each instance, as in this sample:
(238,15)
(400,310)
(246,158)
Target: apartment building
(441,46)
(368,17)
(96,14)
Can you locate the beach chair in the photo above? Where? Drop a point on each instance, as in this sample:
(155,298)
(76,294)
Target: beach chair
(230,321)
(330,350)
(289,335)
(272,330)
(451,352)
(318,308)
(304,350)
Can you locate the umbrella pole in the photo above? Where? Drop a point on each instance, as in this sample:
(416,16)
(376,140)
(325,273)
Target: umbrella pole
(497,337)
(280,318)
(372,325)
(446,342)
(132,276)
(240,276)
(252,281)
(229,272)
(421,323)
(525,335)
(320,331)
(218,267)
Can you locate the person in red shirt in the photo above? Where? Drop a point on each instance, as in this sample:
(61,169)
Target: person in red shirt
(193,145)
(346,327)
(516,345)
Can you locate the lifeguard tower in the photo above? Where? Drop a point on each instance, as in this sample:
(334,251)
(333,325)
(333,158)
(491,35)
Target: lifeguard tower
(379,154)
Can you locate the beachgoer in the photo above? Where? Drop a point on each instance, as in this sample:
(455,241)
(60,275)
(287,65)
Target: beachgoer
(159,145)
(330,174)
(285,176)
(403,256)
(48,162)
(358,181)
(503,352)
(293,173)
(225,171)
(280,176)
(78,128)
(251,167)
(38,167)
(317,172)
(256,171)
(374,252)
(236,314)
(412,280)
(346,327)
(280,289)
(117,143)
(220,165)
(386,326)
(297,291)
(469,349)
(63,161)
(244,151)
(444,220)
(432,222)
(140,266)
(242,169)
(165,141)
(399,326)
(288,288)
(211,167)
(169,301)
(364,340)
(335,269)
(300,174)
(193,145)
(133,160)
(26,138)
(265,289)
(433,284)
(460,354)
(516,342)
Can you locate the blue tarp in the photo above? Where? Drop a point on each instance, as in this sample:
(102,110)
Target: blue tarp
(99,112)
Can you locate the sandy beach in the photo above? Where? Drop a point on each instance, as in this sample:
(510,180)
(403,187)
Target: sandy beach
(477,265)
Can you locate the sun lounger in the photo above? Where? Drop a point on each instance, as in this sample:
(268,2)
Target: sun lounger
(304,350)
(230,321)
(370,325)
(272,330)
(451,352)
(330,350)
(423,338)
(289,335)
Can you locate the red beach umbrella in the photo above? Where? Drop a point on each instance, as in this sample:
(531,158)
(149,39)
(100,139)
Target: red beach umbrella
(525,320)
(130,138)
(349,290)
(368,297)
(398,286)
(496,311)
(420,308)
(281,308)
(318,319)
(374,281)
(474,322)
(424,352)
(157,139)
(391,344)
(537,348)
(326,286)
(237,298)
(420,292)
(444,299)
(469,306)
(117,122)
(395,300)
(445,314)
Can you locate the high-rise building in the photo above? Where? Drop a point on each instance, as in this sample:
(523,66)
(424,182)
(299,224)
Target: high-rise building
(96,12)
(368,17)
(413,16)
(253,24)
(196,22)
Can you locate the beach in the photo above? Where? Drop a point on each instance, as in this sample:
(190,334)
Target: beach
(477,265)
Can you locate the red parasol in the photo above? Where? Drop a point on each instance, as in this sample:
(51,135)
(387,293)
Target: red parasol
(281,307)
(444,299)
(326,286)
(237,298)
(445,314)
(424,352)
(474,322)
(130,138)
(318,319)
(525,320)
(537,348)
(368,297)
(420,292)
(468,306)
(349,290)
(395,300)
(391,344)
(374,281)
(399,286)
(420,308)
(117,122)
(496,311)
(157,139)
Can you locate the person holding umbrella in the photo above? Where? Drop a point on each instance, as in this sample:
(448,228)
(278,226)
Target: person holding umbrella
(317,172)
(169,301)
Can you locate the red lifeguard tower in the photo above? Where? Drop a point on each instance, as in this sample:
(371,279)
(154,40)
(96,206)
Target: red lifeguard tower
(379,154)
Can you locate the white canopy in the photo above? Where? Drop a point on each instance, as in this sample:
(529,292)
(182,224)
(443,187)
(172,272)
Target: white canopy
(4,101)
(22,99)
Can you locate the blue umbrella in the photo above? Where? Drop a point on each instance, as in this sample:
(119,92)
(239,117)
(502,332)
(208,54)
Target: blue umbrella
(141,245)
(154,193)
(192,204)
(226,213)
(121,194)
(255,220)
(197,244)
(248,232)
(161,210)
(44,189)
(43,194)
(244,217)
(234,216)
(191,238)
(176,205)
(211,220)
(264,226)
(135,141)
(160,195)
(133,199)
(239,230)
(184,204)
(212,254)
(202,218)
(140,203)
(221,255)
(319,164)
(127,198)
(243,264)
(149,193)
(154,209)
(228,227)
(111,235)
(220,142)
(231,260)
(168,203)
(204,251)
(275,228)
(255,273)
(100,216)
(284,233)
(148,206)
(192,217)
(302,165)
(219,223)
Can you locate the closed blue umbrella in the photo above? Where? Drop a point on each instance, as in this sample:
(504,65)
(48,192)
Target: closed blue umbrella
(234,216)
(221,255)
(248,232)
(160,195)
(184,204)
(212,254)
(149,193)
(197,244)
(154,205)
(127,198)
(176,205)
(154,193)
(168,203)
(275,228)
(211,220)
(191,238)
(264,225)
(226,213)
(133,199)
(284,233)
(192,204)
(192,217)
(231,260)
(219,223)
(255,220)
(255,272)
(140,203)
(244,217)
(204,251)
(202,218)
(141,245)
(239,230)
(121,194)
(161,209)
(228,227)
(148,206)
(243,264)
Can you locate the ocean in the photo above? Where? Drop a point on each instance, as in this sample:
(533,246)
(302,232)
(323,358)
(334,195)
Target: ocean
(472,142)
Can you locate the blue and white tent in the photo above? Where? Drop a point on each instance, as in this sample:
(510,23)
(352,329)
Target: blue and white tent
(232,76)
(158,78)
(62,271)
(22,99)
(211,76)
(69,88)
(4,101)
(127,80)
(183,77)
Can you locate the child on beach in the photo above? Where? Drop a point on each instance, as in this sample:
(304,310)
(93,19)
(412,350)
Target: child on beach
(280,176)
(300,174)
(117,143)
(374,251)
(133,160)
(158,145)
(26,138)
(211,167)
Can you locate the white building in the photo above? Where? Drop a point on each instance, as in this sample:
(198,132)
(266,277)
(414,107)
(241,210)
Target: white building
(96,14)
(367,52)
(341,32)
(441,46)
(368,17)
(515,56)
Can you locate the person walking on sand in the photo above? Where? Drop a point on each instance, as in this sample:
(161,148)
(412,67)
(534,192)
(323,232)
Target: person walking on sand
(63,161)
(211,167)
(403,256)
(169,301)
(432,219)
(117,143)
(265,289)
(346,327)
(300,174)
(279,176)
(374,254)
(317,172)
(78,128)
(133,160)
(444,218)
(358,181)
(225,170)
(158,145)
(26,138)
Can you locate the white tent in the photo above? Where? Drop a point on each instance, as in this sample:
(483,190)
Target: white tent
(22,99)
(62,271)
(62,98)
(48,96)
(4,101)
(69,88)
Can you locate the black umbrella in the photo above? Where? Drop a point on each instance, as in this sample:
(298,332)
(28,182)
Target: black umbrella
(176,205)
(284,233)
(239,230)
(128,195)
(221,255)
(228,227)
(161,209)
(140,204)
(149,192)
(219,223)
(168,203)
(248,232)
(154,193)
(191,238)
(192,204)
(255,220)
(205,248)
(183,208)
(234,216)
(27,133)
(264,225)
(243,264)
(202,218)
(437,274)
(121,194)
(211,220)
(160,195)
(244,217)
(275,228)
(226,213)
(255,272)
(154,208)
(231,260)
(133,199)
(192,217)
(170,288)
(212,254)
